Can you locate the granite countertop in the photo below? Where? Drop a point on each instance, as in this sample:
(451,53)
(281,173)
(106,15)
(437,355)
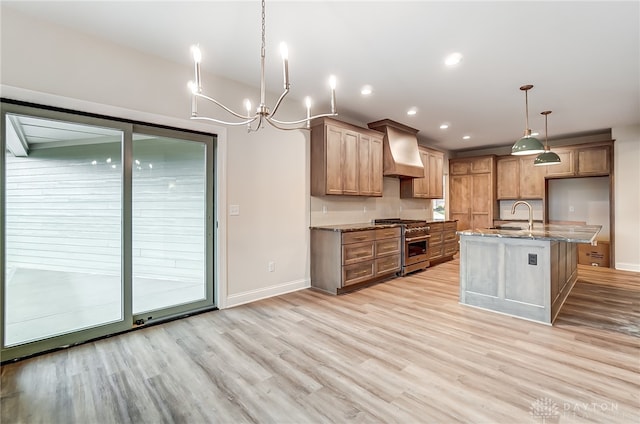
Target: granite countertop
(568,233)
(345,228)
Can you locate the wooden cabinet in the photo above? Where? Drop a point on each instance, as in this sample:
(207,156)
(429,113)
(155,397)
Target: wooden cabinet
(443,243)
(594,161)
(508,177)
(566,167)
(582,161)
(345,159)
(518,178)
(340,260)
(472,191)
(430,185)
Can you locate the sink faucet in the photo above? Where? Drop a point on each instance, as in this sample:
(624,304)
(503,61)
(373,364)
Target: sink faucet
(522,202)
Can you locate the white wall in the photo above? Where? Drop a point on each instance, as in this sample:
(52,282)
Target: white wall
(265,173)
(329,210)
(627,199)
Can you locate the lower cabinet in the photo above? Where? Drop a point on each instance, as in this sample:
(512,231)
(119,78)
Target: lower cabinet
(443,243)
(340,259)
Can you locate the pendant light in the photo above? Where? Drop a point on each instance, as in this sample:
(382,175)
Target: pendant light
(548,157)
(527,145)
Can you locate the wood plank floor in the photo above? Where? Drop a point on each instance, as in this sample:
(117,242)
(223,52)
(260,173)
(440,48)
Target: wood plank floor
(402,351)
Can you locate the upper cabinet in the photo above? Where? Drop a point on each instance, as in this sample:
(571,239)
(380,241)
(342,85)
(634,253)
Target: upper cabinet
(430,185)
(518,178)
(345,159)
(585,160)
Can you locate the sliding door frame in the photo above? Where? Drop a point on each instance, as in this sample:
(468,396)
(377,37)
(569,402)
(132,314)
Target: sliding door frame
(128,128)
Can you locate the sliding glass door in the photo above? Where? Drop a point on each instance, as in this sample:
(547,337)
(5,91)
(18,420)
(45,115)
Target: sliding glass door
(169,223)
(104,224)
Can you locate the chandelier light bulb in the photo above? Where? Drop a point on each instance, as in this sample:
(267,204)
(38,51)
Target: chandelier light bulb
(247,105)
(307,102)
(332,82)
(197,54)
(192,87)
(284,51)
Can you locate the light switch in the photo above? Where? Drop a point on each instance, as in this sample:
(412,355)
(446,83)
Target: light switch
(234,210)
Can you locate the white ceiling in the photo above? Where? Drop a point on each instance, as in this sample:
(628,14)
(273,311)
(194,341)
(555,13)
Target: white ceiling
(583,57)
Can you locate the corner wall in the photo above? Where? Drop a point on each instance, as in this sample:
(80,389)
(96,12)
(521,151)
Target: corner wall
(627,200)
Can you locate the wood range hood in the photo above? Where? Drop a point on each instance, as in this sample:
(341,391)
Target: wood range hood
(400,155)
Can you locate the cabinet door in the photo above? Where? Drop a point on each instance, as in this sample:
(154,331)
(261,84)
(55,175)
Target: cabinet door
(349,162)
(334,160)
(566,167)
(481,201)
(364,166)
(459,167)
(508,175)
(376,166)
(369,166)
(593,161)
(435,175)
(460,200)
(531,179)
(482,165)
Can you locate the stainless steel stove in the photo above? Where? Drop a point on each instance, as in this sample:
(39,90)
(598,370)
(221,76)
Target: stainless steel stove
(415,242)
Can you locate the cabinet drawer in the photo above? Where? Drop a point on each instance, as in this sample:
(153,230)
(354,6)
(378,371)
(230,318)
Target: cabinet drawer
(387,265)
(434,251)
(387,247)
(449,236)
(435,227)
(451,226)
(357,252)
(358,236)
(385,233)
(357,273)
(450,249)
(436,238)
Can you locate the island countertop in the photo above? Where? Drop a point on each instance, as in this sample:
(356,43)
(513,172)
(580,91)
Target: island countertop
(568,233)
(345,228)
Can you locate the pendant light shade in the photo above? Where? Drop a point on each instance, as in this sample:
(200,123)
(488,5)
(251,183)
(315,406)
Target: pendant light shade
(547,157)
(527,145)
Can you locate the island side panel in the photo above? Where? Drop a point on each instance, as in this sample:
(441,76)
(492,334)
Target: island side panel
(495,274)
(567,275)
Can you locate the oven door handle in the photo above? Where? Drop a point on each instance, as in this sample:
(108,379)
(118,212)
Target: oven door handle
(420,238)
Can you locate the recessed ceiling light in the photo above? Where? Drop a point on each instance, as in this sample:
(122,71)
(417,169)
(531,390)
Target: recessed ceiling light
(466,137)
(444,126)
(453,59)
(366,90)
(412,111)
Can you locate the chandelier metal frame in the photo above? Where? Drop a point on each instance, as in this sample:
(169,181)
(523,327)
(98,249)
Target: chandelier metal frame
(262,113)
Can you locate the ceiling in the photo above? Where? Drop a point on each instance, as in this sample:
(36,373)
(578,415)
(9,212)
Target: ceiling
(583,58)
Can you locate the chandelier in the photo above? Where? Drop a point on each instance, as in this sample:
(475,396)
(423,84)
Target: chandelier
(255,121)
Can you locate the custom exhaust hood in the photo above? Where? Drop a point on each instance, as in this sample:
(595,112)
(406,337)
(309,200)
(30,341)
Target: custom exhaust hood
(401,157)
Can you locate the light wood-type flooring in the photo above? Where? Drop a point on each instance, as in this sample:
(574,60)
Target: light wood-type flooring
(403,351)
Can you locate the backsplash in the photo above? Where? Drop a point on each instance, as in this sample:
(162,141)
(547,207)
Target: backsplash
(334,210)
(522,212)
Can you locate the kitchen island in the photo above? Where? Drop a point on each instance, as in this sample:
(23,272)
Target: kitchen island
(521,272)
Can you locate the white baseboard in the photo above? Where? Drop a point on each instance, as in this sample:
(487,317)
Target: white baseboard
(627,267)
(253,295)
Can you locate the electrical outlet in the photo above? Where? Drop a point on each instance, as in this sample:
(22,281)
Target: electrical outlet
(533,259)
(234,210)
(324,208)
(272,266)
(572,209)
